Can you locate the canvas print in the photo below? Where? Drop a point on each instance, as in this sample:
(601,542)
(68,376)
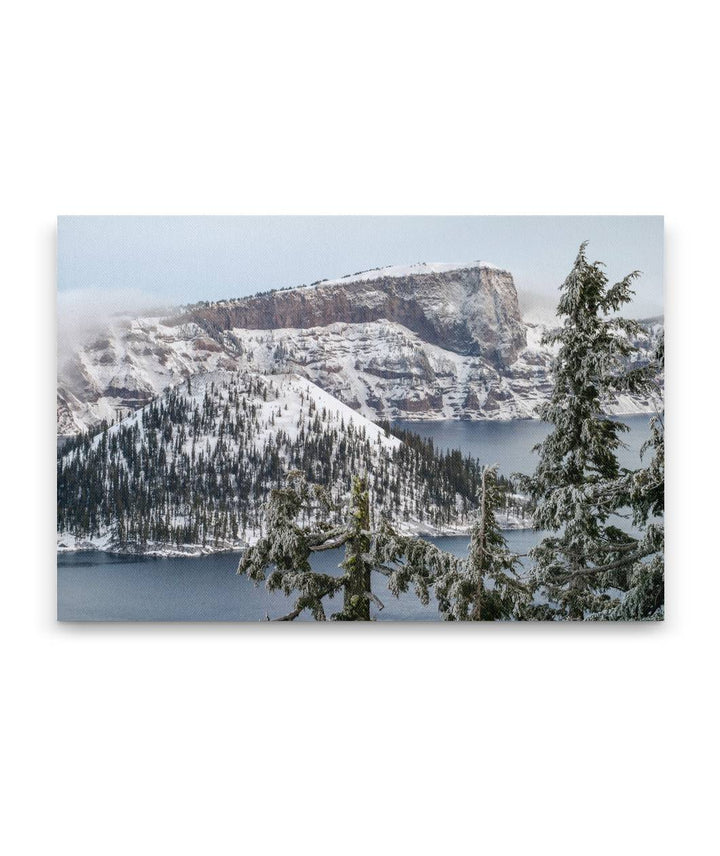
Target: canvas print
(360,419)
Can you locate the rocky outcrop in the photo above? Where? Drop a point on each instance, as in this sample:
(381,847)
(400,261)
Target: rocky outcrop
(468,309)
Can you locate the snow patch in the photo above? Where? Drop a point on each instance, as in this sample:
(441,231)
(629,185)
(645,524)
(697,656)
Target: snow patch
(417,269)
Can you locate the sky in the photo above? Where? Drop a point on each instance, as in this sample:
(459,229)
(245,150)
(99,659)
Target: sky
(110,263)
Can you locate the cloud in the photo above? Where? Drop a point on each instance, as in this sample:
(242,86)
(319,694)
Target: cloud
(83,313)
(541,306)
(538,307)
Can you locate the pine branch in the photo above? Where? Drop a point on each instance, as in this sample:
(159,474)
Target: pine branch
(384,570)
(611,566)
(330,545)
(306,602)
(617,548)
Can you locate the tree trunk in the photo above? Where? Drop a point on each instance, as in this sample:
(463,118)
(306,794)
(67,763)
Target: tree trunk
(479,551)
(356,605)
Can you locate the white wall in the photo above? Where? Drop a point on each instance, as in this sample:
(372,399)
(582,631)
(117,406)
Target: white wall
(278,739)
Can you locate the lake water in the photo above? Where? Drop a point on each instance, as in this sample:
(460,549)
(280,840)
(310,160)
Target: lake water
(98,586)
(509,444)
(95,586)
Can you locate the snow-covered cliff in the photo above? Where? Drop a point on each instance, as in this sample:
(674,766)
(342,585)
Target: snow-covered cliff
(426,341)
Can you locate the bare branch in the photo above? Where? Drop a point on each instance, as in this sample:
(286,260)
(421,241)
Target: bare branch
(291,616)
(330,545)
(375,599)
(611,566)
(321,537)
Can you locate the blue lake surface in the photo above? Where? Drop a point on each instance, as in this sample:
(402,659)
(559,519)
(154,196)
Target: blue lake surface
(509,444)
(96,586)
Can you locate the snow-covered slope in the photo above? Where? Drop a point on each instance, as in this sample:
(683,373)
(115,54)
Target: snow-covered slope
(429,341)
(383,370)
(196,466)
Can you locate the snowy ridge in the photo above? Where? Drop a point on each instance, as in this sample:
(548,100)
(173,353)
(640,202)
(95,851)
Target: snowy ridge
(394,271)
(292,390)
(427,341)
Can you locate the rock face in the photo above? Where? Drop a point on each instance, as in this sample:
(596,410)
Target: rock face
(422,342)
(468,309)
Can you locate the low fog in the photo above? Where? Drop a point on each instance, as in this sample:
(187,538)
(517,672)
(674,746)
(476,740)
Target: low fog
(542,306)
(83,313)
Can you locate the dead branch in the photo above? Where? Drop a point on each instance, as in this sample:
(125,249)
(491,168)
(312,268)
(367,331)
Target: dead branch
(375,599)
(330,545)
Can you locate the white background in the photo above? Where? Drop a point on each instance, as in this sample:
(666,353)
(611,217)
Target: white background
(276,739)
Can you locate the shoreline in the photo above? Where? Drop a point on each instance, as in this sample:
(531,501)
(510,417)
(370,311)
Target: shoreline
(105,544)
(61,439)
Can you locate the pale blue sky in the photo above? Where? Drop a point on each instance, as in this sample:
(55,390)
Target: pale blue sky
(184,259)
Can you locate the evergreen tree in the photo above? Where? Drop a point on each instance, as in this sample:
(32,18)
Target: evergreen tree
(485,587)
(410,561)
(287,547)
(358,569)
(578,484)
(645,597)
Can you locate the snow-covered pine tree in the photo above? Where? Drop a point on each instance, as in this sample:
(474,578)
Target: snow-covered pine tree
(483,587)
(287,548)
(486,586)
(577,486)
(645,598)
(357,579)
(410,561)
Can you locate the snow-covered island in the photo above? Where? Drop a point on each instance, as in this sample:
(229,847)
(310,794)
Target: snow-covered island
(189,473)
